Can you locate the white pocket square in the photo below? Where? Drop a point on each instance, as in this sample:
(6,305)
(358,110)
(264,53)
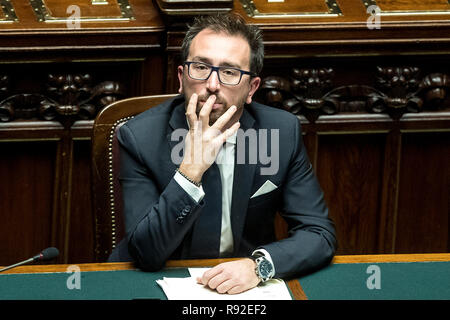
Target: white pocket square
(265,188)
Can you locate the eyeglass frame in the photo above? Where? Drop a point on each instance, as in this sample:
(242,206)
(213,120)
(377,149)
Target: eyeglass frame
(215,68)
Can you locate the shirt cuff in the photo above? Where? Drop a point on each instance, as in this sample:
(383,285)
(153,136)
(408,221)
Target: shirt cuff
(266,255)
(191,189)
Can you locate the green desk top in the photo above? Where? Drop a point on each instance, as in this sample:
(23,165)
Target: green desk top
(411,280)
(94,285)
(397,281)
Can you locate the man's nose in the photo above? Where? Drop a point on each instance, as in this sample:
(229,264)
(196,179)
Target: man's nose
(213,82)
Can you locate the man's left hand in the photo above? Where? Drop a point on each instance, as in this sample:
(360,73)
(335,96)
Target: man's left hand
(231,277)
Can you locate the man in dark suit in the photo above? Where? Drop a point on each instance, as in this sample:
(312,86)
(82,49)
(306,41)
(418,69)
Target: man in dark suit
(203,174)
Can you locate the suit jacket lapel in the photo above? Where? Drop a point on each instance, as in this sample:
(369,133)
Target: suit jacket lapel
(242,182)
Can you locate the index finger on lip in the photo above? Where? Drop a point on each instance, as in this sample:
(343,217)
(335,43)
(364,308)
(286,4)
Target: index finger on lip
(206,109)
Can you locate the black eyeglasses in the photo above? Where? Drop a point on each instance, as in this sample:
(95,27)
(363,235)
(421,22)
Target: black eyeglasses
(227,75)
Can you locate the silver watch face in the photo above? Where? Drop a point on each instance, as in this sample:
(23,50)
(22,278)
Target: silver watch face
(265,268)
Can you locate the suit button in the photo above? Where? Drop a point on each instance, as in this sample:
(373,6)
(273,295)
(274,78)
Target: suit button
(183,214)
(180,219)
(186,211)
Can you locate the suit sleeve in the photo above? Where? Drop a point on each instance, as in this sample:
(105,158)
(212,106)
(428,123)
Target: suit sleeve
(311,243)
(156,220)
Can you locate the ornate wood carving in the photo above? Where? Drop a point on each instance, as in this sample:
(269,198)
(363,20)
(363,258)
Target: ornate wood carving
(435,89)
(8,13)
(303,93)
(68,97)
(397,90)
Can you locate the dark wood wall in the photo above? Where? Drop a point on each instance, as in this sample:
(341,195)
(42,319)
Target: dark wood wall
(377,132)
(374,105)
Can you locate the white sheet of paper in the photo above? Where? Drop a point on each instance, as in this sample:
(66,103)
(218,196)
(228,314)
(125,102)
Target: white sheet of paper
(189,289)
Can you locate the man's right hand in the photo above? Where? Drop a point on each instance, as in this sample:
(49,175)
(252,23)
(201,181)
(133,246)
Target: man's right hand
(203,142)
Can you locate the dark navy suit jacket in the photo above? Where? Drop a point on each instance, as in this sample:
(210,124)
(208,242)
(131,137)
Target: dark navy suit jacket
(161,218)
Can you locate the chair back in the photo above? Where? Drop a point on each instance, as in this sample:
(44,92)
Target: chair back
(107,197)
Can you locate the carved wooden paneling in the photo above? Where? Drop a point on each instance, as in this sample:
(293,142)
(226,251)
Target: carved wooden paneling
(342,11)
(60,63)
(365,121)
(357,30)
(66,98)
(397,90)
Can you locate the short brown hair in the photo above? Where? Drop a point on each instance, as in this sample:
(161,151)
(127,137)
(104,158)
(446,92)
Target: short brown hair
(232,24)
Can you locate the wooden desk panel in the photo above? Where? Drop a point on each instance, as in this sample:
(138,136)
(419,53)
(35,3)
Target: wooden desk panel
(294,285)
(133,53)
(349,11)
(427,6)
(60,14)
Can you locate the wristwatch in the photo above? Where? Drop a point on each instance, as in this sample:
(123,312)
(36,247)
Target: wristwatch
(264,268)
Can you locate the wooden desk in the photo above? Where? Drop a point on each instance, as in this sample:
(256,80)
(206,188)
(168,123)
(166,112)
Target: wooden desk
(295,285)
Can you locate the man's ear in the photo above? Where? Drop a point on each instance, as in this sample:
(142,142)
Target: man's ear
(254,85)
(180,71)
